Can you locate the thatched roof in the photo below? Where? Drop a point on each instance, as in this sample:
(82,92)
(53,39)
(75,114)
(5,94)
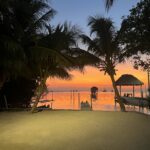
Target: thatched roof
(128,79)
(94,88)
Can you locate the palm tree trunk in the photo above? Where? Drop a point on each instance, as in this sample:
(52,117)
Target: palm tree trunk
(40,90)
(122,106)
(35,103)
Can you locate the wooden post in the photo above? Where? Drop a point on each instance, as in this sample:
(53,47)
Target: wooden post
(148,75)
(115,99)
(52,101)
(120,90)
(73,100)
(52,95)
(133,91)
(51,105)
(145,91)
(79,101)
(70,99)
(115,104)
(141,91)
(91,103)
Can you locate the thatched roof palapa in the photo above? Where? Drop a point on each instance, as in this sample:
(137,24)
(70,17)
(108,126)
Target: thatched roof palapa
(128,80)
(94,88)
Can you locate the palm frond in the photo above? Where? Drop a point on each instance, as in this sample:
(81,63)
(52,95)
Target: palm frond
(104,43)
(108,4)
(43,54)
(83,58)
(45,17)
(60,73)
(92,44)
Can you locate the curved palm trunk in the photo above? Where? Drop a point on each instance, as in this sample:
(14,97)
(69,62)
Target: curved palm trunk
(35,104)
(122,106)
(40,90)
(36,101)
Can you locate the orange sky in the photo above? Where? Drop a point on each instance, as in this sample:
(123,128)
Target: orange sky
(93,77)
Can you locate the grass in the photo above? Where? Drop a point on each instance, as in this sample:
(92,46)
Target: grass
(74,130)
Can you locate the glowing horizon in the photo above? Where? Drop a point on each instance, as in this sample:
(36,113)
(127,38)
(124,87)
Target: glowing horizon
(93,77)
(67,11)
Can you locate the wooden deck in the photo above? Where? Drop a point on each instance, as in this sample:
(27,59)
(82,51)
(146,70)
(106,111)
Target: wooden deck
(136,101)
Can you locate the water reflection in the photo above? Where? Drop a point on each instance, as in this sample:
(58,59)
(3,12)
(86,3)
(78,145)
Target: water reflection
(69,100)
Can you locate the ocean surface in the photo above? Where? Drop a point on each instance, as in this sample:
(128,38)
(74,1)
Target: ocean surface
(72,100)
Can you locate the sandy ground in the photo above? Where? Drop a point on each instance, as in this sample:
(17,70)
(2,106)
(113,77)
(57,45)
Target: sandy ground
(74,130)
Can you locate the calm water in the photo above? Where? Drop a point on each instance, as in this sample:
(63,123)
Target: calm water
(68,100)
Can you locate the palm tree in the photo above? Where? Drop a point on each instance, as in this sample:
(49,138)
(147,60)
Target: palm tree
(59,54)
(26,50)
(104,46)
(20,21)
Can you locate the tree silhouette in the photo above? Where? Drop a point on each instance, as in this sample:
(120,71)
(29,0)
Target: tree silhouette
(104,46)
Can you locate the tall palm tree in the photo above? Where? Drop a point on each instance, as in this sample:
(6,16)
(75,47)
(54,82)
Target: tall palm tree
(58,56)
(104,46)
(26,50)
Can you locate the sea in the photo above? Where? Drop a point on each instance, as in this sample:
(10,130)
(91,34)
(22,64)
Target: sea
(71,100)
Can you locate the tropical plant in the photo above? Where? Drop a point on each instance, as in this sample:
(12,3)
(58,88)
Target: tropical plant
(134,35)
(59,56)
(28,51)
(20,21)
(103,44)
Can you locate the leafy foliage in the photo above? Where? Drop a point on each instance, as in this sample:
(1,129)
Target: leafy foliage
(28,50)
(134,34)
(19,23)
(103,44)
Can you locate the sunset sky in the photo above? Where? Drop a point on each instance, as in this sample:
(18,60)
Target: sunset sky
(77,12)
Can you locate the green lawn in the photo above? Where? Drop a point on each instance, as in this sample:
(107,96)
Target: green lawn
(74,130)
